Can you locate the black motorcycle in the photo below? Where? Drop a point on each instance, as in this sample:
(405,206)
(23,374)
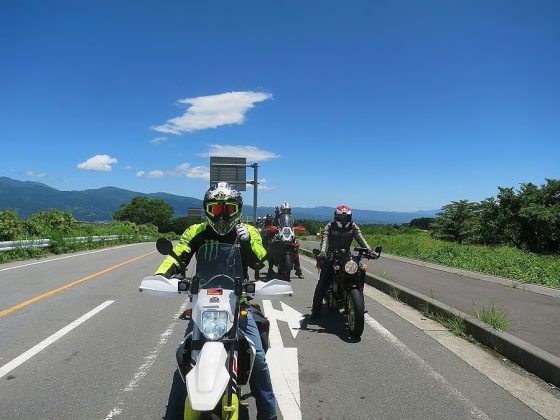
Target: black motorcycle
(346,289)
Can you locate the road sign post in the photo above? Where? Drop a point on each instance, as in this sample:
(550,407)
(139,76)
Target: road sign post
(234,171)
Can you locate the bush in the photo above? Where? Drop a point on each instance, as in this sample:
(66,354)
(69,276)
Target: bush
(46,223)
(10,226)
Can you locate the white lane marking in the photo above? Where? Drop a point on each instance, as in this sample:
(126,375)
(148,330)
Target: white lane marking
(407,352)
(283,366)
(293,318)
(67,256)
(148,362)
(309,271)
(524,389)
(8,367)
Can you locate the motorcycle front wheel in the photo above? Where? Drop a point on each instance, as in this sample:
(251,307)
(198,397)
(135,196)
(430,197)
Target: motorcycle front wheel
(331,300)
(356,312)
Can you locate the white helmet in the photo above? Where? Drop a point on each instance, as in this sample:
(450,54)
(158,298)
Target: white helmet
(285,208)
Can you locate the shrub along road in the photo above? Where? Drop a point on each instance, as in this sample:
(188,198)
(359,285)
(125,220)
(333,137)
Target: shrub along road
(98,349)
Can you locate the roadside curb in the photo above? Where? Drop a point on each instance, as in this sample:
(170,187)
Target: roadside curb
(503,281)
(526,355)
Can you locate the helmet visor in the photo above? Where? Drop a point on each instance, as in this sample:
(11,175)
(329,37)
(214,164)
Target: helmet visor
(343,218)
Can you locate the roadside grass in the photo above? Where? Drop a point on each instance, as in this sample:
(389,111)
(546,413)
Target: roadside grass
(62,242)
(395,293)
(502,261)
(493,316)
(453,323)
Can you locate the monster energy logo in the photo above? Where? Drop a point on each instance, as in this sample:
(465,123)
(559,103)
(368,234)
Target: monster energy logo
(211,249)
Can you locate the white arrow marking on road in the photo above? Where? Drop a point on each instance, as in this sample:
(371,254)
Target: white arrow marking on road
(283,362)
(293,318)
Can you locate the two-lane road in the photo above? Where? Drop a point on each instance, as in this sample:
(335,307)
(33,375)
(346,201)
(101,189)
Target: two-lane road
(77,340)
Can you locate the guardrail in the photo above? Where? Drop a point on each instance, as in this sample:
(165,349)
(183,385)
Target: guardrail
(44,243)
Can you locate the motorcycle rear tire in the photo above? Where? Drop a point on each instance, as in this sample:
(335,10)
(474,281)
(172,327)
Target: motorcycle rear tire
(287,267)
(356,309)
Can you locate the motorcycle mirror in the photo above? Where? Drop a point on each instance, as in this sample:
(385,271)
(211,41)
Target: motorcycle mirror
(250,288)
(378,250)
(316,252)
(164,246)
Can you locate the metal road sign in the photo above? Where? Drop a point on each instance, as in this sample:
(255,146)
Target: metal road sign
(229,169)
(194,212)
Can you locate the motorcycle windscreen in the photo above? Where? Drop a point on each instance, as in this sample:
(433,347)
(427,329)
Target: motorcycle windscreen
(285,220)
(218,266)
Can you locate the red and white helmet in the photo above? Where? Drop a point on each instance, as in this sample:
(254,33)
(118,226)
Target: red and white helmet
(343,216)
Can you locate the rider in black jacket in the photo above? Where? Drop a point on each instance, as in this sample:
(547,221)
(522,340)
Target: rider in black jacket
(338,234)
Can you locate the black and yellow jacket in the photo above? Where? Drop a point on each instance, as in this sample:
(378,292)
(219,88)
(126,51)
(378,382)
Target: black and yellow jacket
(252,252)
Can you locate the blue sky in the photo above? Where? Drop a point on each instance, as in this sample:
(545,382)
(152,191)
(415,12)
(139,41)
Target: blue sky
(383,105)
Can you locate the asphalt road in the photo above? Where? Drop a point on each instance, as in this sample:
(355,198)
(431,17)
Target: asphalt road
(118,363)
(533,317)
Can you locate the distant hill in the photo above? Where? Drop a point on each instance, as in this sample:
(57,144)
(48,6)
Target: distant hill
(99,204)
(89,205)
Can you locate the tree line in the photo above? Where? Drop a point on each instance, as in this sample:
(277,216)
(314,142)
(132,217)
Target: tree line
(527,218)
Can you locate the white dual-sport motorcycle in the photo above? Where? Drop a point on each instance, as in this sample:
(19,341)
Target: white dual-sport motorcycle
(219,359)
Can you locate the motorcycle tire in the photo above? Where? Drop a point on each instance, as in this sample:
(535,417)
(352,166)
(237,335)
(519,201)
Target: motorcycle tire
(355,314)
(210,416)
(331,300)
(287,267)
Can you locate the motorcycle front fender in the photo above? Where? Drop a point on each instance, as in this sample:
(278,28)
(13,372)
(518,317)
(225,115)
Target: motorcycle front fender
(207,382)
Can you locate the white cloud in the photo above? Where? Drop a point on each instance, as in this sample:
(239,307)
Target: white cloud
(201,172)
(263,185)
(158,140)
(212,111)
(155,174)
(101,163)
(35,174)
(249,152)
(128,168)
(152,174)
(185,170)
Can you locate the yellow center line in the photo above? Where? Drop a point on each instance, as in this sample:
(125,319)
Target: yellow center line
(21,305)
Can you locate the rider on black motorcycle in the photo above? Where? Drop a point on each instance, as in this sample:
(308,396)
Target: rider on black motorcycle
(222,206)
(338,234)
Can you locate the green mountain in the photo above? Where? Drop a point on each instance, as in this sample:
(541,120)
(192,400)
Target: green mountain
(88,205)
(99,204)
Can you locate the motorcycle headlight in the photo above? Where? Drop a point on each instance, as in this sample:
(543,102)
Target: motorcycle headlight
(351,267)
(214,324)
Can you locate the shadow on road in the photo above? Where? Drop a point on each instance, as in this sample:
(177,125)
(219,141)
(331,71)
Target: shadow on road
(331,322)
